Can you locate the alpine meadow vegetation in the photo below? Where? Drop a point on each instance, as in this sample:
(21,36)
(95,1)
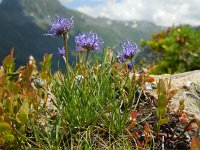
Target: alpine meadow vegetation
(94,104)
(177,49)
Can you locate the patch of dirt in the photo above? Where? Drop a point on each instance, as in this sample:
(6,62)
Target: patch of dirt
(173,135)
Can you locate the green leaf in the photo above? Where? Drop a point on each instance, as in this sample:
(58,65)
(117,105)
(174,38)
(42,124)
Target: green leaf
(160,112)
(46,63)
(22,129)
(178,49)
(163,121)
(22,117)
(13,88)
(165,47)
(2,77)
(8,63)
(161,88)
(9,137)
(25,107)
(5,127)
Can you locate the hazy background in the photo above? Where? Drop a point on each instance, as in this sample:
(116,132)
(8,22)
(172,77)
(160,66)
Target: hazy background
(23,23)
(161,12)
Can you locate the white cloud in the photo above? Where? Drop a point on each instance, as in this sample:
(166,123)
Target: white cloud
(66,1)
(162,12)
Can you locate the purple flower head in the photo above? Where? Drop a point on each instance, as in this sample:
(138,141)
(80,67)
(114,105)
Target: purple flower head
(128,50)
(60,26)
(130,66)
(61,51)
(88,41)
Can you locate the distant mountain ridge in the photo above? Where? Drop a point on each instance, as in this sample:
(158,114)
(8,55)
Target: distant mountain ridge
(24,22)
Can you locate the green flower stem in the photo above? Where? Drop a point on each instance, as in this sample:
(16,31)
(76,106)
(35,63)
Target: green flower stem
(66,45)
(86,58)
(85,71)
(66,52)
(64,59)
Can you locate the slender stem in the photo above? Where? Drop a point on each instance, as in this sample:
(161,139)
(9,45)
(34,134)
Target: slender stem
(86,58)
(64,59)
(66,52)
(137,100)
(66,46)
(84,78)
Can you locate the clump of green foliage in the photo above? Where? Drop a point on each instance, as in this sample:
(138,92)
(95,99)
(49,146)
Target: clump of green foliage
(177,49)
(93,105)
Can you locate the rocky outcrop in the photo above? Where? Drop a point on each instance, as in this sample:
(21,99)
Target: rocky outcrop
(188,90)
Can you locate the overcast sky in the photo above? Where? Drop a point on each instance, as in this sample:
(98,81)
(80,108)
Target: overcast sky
(161,12)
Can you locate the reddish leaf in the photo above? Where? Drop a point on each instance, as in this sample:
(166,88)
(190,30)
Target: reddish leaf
(26,77)
(133,115)
(133,123)
(140,145)
(190,128)
(136,134)
(146,128)
(171,93)
(183,118)
(129,137)
(116,65)
(151,79)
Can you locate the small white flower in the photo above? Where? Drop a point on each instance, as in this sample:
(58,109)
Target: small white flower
(78,79)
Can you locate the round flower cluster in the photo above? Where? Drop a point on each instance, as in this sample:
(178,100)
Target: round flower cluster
(88,41)
(128,50)
(60,26)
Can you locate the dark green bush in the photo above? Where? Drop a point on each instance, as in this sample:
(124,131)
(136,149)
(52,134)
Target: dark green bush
(178,49)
